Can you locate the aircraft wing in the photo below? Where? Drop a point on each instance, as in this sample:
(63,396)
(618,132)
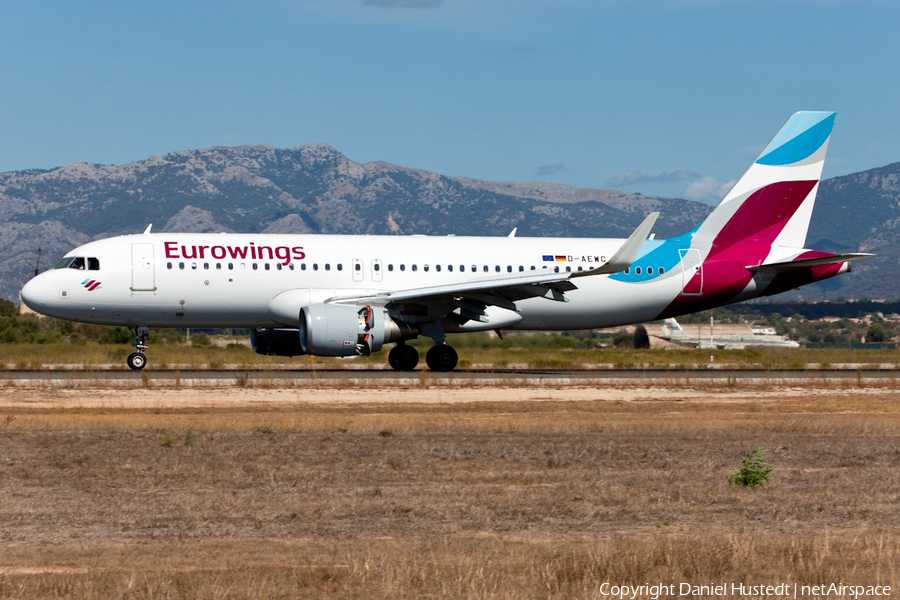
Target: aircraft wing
(470,298)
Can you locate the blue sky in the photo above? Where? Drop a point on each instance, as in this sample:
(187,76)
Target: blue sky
(659,96)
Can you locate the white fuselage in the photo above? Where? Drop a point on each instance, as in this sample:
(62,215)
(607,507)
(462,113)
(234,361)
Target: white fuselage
(235,280)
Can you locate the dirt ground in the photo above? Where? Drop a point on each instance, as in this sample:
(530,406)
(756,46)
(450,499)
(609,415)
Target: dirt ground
(434,492)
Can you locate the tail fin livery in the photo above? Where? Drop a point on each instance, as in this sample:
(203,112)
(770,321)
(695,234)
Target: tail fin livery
(752,244)
(772,203)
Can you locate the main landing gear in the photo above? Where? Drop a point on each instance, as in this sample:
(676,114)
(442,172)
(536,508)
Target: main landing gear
(137,360)
(403,357)
(441,358)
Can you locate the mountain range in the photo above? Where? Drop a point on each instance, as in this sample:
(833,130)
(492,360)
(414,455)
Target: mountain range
(316,189)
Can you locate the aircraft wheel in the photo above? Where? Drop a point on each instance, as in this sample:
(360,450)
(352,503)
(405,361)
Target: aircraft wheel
(137,361)
(441,358)
(403,358)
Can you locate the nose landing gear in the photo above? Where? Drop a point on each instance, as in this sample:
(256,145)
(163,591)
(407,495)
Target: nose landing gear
(137,360)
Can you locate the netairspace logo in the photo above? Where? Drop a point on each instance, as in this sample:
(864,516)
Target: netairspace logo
(734,590)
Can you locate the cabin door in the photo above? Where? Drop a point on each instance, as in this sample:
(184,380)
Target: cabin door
(691,272)
(142,276)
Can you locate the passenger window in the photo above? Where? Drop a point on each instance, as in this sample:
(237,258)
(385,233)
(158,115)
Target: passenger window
(390,267)
(485,268)
(243,266)
(627,270)
(415,268)
(255,267)
(509,268)
(290,266)
(206,266)
(358,267)
(637,270)
(278,266)
(267,267)
(425,268)
(218,266)
(580,270)
(437,268)
(93,264)
(193,266)
(327,266)
(474,269)
(77,263)
(231,266)
(302,266)
(315,266)
(521,268)
(556,269)
(340,267)
(533,268)
(181,265)
(168,265)
(376,267)
(649,270)
(402,267)
(450,268)
(497,268)
(662,271)
(568,269)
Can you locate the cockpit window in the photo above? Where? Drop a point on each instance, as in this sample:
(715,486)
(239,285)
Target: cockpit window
(79,262)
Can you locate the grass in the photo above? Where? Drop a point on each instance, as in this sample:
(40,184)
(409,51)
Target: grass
(536,356)
(534,498)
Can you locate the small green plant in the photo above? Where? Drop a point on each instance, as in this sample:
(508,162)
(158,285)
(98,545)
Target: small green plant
(167,439)
(190,437)
(754,470)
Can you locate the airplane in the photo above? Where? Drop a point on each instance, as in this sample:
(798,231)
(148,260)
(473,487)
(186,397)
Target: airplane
(673,332)
(349,295)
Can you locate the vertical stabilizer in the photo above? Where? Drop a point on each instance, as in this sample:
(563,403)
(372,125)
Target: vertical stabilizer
(772,203)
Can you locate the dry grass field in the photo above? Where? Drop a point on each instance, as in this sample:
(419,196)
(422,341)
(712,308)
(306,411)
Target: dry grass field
(438,492)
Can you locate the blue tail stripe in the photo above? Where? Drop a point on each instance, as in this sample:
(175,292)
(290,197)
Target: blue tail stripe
(801,137)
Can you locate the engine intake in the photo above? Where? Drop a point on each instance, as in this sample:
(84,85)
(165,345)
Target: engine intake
(344,330)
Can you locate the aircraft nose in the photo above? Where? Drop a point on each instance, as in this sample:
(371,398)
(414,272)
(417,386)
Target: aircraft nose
(34,294)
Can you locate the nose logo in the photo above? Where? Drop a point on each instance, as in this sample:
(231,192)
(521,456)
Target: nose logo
(90,284)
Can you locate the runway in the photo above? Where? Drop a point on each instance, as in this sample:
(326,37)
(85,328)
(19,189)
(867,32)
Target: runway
(384,376)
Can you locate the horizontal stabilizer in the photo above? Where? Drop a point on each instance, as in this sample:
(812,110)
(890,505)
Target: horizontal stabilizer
(781,267)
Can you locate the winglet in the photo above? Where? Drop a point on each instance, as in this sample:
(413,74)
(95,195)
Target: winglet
(146,231)
(627,252)
(513,232)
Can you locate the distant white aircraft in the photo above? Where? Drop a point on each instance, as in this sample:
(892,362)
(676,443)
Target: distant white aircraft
(673,332)
(342,295)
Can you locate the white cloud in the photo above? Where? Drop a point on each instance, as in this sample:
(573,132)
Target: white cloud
(708,189)
(550,170)
(626,178)
(405,3)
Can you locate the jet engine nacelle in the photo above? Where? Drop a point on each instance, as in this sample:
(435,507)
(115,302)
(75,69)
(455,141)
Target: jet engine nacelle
(276,342)
(345,330)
